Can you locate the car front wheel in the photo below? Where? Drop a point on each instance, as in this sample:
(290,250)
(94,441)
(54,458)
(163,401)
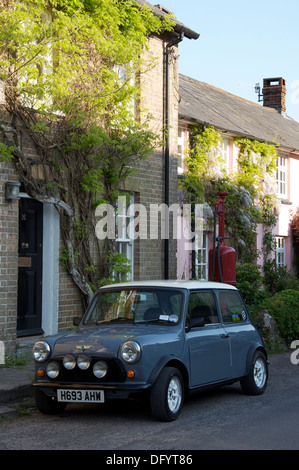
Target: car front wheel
(167,395)
(256,381)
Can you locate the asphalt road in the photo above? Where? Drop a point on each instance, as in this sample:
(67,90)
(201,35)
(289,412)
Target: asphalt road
(224,419)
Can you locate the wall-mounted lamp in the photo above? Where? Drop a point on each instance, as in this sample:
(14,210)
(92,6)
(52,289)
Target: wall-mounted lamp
(12,190)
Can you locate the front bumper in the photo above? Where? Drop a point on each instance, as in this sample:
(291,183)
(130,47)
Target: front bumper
(122,390)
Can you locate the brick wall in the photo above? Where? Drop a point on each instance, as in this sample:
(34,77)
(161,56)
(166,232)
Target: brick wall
(69,298)
(148,182)
(70,301)
(9,221)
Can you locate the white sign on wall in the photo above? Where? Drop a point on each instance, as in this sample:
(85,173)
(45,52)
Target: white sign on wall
(2,353)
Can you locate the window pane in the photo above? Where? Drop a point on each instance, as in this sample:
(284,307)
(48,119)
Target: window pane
(231,307)
(202,304)
(280,251)
(281,176)
(201,259)
(124,244)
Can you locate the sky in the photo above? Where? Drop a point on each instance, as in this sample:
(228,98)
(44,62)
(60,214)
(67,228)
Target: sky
(240,44)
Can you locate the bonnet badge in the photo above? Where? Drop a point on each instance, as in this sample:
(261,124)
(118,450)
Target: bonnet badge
(83,348)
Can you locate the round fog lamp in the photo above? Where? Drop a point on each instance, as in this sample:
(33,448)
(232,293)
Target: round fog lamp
(100,369)
(69,362)
(52,370)
(83,362)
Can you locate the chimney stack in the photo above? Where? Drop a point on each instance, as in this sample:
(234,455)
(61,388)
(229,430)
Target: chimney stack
(274,92)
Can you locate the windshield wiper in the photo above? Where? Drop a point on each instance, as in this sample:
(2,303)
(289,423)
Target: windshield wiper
(116,320)
(120,319)
(154,320)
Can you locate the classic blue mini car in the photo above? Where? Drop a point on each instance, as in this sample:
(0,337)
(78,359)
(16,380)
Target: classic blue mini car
(161,337)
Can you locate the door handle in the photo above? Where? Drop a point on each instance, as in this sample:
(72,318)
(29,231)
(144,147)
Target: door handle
(224,336)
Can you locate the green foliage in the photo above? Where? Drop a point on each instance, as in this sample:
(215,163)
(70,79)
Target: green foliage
(251,198)
(278,278)
(256,159)
(201,161)
(6,152)
(85,43)
(16,361)
(283,307)
(295,232)
(118,267)
(70,69)
(250,283)
(241,217)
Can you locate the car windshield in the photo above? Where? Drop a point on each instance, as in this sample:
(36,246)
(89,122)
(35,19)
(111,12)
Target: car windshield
(136,305)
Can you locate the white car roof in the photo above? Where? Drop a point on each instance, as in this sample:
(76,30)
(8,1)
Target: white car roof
(174,284)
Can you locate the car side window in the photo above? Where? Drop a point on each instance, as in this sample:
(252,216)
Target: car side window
(202,304)
(231,307)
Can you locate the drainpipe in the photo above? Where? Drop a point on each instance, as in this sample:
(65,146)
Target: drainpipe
(166,152)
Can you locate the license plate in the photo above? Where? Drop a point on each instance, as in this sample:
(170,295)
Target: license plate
(81,396)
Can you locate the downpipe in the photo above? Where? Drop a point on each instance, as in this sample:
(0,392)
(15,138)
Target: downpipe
(172,43)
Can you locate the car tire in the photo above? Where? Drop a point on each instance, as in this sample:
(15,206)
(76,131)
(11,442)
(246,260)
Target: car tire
(46,404)
(167,395)
(256,381)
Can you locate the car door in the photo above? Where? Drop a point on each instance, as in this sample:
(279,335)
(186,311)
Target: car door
(208,345)
(238,327)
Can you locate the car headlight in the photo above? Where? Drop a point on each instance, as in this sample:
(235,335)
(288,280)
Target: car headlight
(83,362)
(52,370)
(130,351)
(69,362)
(41,351)
(100,369)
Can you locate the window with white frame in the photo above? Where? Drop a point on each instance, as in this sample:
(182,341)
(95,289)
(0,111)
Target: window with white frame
(181,149)
(124,244)
(280,252)
(125,75)
(201,261)
(224,153)
(281,171)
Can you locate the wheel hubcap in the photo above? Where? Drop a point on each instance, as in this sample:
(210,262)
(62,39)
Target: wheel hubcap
(174,397)
(259,373)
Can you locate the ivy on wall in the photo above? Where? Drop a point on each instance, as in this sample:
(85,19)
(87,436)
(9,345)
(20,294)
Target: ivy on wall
(69,69)
(295,233)
(251,200)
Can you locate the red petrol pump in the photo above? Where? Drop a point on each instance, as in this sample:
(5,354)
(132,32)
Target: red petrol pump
(222,258)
